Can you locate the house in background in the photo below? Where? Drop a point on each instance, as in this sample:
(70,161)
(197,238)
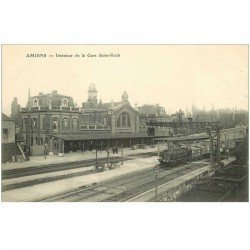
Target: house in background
(11,150)
(8,130)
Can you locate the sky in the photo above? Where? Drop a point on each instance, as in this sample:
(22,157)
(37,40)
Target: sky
(175,76)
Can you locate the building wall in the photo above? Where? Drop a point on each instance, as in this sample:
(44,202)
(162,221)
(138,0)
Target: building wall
(8,132)
(37,150)
(49,117)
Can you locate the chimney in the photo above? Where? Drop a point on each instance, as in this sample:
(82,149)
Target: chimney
(54,92)
(40,93)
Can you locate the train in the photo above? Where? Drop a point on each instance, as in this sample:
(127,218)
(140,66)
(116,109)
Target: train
(241,151)
(183,154)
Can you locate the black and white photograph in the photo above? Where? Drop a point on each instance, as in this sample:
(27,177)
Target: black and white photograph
(125,123)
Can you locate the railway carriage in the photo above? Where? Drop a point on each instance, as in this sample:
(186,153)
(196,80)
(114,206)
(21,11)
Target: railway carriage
(174,157)
(183,154)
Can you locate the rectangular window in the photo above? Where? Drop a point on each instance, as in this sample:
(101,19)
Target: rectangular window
(55,124)
(91,127)
(84,127)
(34,123)
(24,123)
(5,133)
(74,124)
(65,123)
(105,121)
(42,122)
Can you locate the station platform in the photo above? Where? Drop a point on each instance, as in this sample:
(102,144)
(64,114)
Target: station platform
(173,188)
(45,190)
(73,157)
(45,175)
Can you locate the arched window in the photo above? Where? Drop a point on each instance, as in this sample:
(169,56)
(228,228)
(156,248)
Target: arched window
(35,102)
(55,126)
(124,120)
(64,102)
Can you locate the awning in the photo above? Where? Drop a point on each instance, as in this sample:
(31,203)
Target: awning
(101,136)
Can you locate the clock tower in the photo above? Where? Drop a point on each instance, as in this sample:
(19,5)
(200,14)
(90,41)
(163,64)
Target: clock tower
(92,93)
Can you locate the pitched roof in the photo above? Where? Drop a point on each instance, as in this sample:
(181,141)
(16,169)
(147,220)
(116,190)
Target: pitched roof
(53,98)
(106,106)
(5,117)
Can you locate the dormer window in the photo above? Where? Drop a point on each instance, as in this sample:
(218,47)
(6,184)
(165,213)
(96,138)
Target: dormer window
(65,102)
(35,102)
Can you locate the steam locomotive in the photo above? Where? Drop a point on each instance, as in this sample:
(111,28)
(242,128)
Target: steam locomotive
(175,156)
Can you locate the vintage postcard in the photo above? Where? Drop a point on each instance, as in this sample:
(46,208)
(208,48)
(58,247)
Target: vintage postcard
(124,123)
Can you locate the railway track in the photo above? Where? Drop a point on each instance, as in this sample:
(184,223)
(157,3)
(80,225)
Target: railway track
(27,183)
(85,192)
(37,181)
(124,187)
(20,172)
(220,185)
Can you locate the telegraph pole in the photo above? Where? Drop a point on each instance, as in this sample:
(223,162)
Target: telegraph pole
(28,128)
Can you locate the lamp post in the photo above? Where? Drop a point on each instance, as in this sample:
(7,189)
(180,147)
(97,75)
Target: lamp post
(122,154)
(45,150)
(96,157)
(226,146)
(156,182)
(107,157)
(225,139)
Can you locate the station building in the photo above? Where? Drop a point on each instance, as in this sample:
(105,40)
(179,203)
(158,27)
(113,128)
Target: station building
(53,123)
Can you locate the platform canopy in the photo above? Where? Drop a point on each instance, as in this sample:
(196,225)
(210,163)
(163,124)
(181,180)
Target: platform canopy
(100,136)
